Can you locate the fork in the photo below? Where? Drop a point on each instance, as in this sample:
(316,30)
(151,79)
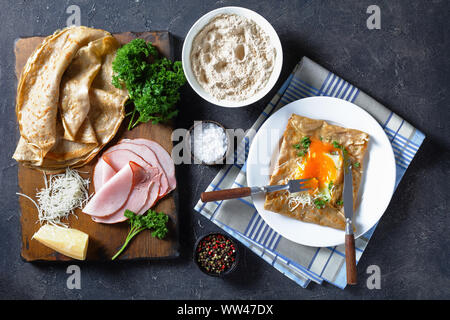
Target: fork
(292,186)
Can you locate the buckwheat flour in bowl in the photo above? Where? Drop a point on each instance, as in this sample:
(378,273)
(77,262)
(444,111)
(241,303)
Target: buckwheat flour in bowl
(232,57)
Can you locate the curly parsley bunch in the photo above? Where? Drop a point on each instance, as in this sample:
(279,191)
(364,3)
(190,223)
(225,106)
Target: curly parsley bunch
(153,82)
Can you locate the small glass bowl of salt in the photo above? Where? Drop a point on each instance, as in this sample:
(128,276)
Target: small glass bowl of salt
(209,142)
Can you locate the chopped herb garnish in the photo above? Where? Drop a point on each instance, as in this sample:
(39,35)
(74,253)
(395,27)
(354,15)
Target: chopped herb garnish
(339,202)
(356,164)
(336,145)
(319,203)
(330,185)
(303,146)
(339,146)
(306,142)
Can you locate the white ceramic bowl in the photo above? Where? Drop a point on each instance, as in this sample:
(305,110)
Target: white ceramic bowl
(200,24)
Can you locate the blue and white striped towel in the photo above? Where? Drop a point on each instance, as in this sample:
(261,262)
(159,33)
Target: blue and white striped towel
(239,217)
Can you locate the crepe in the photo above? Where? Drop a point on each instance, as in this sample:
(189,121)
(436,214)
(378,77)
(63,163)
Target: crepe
(315,149)
(65,110)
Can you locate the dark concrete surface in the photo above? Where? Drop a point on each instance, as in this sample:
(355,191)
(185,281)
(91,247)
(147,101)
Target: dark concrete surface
(405,65)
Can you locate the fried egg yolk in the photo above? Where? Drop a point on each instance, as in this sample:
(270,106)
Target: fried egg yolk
(321,163)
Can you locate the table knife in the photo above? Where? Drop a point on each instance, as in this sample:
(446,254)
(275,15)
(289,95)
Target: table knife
(350,258)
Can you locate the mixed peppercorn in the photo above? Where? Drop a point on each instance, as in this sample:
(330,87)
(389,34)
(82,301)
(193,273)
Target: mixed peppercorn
(215,254)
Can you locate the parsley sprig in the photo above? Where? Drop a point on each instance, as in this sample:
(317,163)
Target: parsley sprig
(153,82)
(156,221)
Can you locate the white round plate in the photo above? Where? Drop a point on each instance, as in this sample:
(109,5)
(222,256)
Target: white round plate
(378,181)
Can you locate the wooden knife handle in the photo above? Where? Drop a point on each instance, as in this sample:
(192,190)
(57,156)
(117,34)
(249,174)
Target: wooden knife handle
(225,194)
(350,259)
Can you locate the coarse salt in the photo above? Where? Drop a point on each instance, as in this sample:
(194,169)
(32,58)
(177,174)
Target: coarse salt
(210,142)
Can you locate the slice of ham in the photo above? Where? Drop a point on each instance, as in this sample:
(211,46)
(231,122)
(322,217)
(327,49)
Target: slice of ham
(153,196)
(114,193)
(146,154)
(142,195)
(163,156)
(117,159)
(102,173)
(133,175)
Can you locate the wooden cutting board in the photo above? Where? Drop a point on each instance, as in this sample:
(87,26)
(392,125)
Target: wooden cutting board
(104,240)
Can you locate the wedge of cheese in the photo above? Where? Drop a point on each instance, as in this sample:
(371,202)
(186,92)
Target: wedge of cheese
(70,242)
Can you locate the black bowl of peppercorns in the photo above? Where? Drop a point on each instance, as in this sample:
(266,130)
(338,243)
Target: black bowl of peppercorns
(216,254)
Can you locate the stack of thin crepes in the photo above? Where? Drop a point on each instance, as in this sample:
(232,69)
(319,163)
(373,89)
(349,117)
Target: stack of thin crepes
(66,106)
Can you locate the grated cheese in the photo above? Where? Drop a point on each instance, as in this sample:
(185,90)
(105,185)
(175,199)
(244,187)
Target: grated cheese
(62,194)
(299,198)
(300,166)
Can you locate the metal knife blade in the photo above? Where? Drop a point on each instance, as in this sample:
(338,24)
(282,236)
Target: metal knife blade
(350,254)
(348,192)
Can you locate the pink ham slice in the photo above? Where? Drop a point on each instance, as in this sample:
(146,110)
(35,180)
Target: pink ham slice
(163,156)
(133,175)
(102,173)
(114,193)
(117,159)
(140,197)
(153,196)
(149,156)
